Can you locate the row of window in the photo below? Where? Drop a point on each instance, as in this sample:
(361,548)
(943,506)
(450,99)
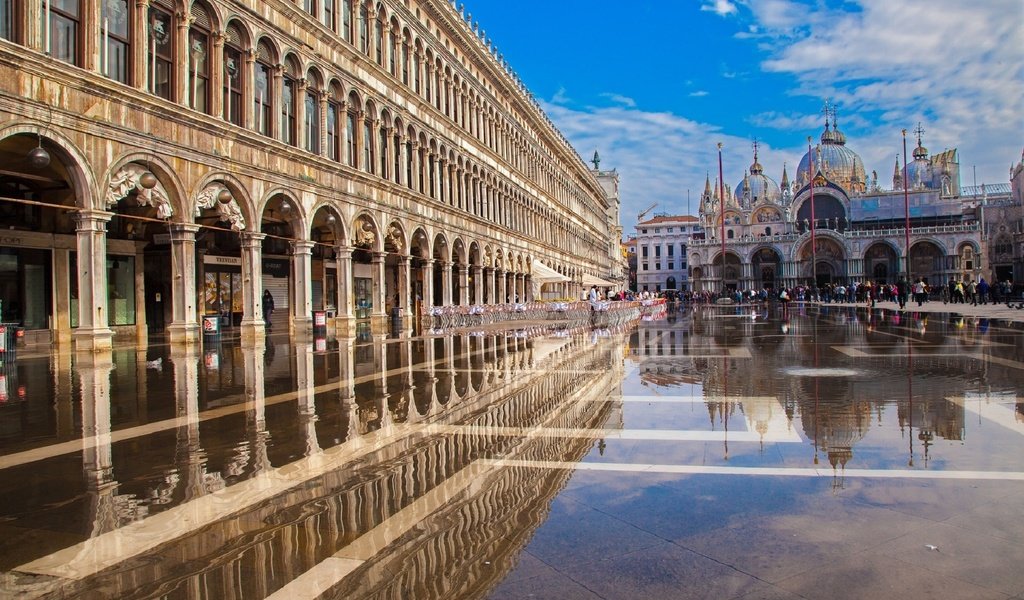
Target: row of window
(299,111)
(657,266)
(669,250)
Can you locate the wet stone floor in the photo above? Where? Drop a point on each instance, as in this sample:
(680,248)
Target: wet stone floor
(715,453)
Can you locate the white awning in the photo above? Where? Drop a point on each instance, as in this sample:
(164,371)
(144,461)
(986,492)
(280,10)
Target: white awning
(597,281)
(541,274)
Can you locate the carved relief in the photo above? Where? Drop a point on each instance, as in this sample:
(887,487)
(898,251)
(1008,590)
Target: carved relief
(210,197)
(127,179)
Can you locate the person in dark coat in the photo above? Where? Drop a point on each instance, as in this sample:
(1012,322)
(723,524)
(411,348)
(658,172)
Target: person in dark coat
(268,307)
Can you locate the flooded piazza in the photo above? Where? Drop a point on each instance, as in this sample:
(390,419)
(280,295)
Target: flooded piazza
(721,452)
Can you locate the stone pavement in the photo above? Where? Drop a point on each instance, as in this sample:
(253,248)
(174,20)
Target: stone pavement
(989,311)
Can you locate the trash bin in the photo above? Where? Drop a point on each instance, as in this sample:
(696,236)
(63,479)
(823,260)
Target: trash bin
(211,325)
(9,333)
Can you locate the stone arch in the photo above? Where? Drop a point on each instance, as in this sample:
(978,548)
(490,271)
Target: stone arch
(239,196)
(296,220)
(168,183)
(365,232)
(70,156)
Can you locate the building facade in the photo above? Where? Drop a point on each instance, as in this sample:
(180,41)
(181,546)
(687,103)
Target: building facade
(857,227)
(168,160)
(661,251)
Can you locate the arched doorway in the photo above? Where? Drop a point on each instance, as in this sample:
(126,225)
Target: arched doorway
(729,277)
(881,263)
(328,236)
(766,264)
(927,260)
(830,261)
(279,224)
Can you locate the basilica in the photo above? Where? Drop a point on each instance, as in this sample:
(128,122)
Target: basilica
(836,223)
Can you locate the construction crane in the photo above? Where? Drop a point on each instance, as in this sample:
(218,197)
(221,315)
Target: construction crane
(643,213)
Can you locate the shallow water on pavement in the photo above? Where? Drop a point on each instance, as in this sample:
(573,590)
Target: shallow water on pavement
(719,452)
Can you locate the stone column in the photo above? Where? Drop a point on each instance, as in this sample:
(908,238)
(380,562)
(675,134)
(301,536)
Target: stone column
(478,284)
(344,323)
(184,326)
(302,289)
(463,285)
(299,97)
(415,183)
(276,92)
(253,326)
(248,102)
(322,99)
(91,36)
(217,75)
(404,287)
(379,288)
(492,290)
(428,282)
(182,76)
(140,46)
(446,283)
(93,332)
(502,287)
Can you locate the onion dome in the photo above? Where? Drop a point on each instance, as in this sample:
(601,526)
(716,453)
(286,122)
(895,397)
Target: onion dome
(835,160)
(919,172)
(756,186)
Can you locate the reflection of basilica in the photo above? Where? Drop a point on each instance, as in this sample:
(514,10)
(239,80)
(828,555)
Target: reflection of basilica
(265,484)
(859,227)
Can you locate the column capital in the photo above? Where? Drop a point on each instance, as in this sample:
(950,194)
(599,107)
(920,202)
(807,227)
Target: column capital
(378,256)
(343,252)
(92,219)
(252,238)
(302,246)
(183,231)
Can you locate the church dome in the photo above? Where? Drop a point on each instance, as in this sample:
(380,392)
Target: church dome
(835,160)
(756,186)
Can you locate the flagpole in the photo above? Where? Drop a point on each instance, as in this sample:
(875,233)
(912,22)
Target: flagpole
(814,250)
(906,206)
(721,208)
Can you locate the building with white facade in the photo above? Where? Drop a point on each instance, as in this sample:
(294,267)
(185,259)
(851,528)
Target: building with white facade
(661,252)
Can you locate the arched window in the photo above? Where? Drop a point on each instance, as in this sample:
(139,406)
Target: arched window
(364,29)
(199,59)
(405,61)
(393,51)
(350,131)
(416,71)
(289,87)
(330,16)
(378,35)
(382,146)
(64,30)
(234,68)
(369,160)
(408,159)
(429,76)
(9,19)
(346,20)
(116,28)
(334,128)
(312,122)
(263,96)
(431,173)
(161,48)
(729,234)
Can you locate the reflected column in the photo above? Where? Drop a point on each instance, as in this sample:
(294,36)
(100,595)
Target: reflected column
(97,464)
(188,451)
(380,381)
(255,404)
(306,395)
(347,389)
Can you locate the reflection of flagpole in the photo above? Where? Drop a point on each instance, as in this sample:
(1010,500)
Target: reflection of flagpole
(814,250)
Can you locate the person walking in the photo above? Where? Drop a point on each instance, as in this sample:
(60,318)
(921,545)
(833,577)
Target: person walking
(919,291)
(268,307)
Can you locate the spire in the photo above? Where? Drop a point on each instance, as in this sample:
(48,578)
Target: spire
(597,161)
(707,185)
(785,177)
(756,168)
(897,179)
(920,152)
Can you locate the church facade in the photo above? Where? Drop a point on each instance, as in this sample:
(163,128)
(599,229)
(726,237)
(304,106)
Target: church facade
(857,226)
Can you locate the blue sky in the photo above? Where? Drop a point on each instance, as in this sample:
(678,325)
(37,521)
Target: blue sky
(654,85)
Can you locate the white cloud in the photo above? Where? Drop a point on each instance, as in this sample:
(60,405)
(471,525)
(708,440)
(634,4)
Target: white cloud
(619,99)
(658,155)
(699,94)
(560,97)
(954,66)
(722,8)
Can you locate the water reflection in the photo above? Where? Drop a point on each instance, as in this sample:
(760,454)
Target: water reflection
(420,466)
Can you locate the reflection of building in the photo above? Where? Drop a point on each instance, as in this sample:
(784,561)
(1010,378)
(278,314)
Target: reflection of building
(661,252)
(169,160)
(859,227)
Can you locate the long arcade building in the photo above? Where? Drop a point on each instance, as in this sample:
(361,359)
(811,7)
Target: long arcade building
(165,160)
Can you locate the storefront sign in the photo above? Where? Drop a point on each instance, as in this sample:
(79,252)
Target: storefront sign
(222,260)
(275,267)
